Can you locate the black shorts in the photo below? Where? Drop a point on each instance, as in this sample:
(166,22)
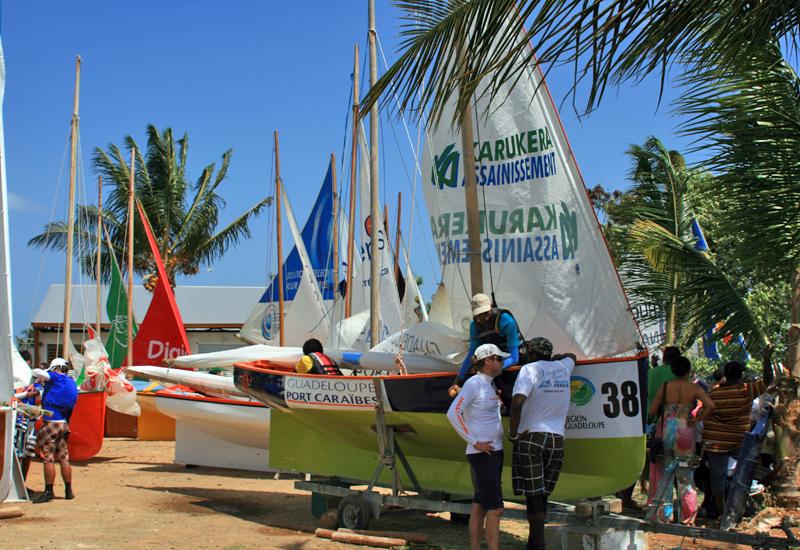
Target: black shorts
(487,471)
(536,463)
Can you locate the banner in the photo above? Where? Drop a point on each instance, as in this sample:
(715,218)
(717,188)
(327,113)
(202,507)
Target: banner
(604,401)
(161,335)
(117,311)
(550,263)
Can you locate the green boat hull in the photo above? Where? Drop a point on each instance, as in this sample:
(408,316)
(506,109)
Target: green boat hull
(343,444)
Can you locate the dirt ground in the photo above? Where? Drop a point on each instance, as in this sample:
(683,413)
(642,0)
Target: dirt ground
(132,496)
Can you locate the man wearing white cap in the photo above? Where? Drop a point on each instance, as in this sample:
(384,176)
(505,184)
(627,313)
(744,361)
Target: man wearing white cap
(489,325)
(475,415)
(60,396)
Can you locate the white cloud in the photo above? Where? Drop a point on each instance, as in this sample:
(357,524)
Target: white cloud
(19,203)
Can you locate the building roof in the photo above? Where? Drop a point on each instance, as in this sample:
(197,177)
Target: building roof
(199,305)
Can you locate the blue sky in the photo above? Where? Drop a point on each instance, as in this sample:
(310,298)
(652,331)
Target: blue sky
(228,73)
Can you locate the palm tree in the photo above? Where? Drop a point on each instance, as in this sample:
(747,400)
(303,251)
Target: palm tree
(650,227)
(749,120)
(184,216)
(605,42)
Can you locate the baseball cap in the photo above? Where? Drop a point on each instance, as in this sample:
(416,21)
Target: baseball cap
(488,350)
(58,363)
(480,304)
(540,345)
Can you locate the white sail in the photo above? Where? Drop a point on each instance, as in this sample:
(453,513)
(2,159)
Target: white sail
(440,307)
(9,480)
(414,310)
(307,317)
(390,312)
(550,262)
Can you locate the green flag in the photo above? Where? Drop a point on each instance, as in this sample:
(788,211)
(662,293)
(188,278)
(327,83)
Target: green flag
(117,310)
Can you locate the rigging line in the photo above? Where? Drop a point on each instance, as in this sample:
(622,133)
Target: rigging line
(48,228)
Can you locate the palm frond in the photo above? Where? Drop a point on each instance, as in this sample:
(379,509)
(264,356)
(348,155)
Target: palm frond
(706,294)
(605,42)
(214,246)
(749,120)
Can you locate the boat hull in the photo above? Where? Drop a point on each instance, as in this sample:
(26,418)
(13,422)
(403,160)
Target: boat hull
(152,424)
(216,432)
(87,425)
(604,442)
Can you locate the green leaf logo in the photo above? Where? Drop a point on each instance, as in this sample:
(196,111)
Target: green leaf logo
(445,168)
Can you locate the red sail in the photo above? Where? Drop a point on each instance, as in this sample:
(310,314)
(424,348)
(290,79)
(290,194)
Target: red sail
(161,335)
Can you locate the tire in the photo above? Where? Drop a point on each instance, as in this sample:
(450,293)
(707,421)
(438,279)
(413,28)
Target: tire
(353,512)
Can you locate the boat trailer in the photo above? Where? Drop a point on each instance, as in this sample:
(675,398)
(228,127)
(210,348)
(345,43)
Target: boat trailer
(591,522)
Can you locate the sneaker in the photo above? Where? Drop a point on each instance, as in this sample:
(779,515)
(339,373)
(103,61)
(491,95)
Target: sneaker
(44,497)
(69,495)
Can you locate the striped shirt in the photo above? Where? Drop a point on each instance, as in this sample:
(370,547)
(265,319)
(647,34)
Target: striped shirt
(724,430)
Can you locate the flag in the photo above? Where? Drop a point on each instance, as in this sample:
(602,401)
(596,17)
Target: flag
(161,335)
(117,310)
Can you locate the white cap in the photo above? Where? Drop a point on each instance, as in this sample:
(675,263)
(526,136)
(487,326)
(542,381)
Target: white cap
(488,350)
(57,363)
(480,304)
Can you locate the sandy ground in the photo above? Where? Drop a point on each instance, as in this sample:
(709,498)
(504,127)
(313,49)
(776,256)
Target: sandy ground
(132,496)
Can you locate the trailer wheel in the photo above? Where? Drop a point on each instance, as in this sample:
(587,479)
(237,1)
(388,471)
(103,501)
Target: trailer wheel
(353,512)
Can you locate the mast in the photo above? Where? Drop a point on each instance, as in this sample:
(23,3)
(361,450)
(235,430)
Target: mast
(99,231)
(471,193)
(131,184)
(71,210)
(397,237)
(348,302)
(335,228)
(280,246)
(374,206)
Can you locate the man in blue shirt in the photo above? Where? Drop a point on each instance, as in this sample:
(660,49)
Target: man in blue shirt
(60,396)
(489,326)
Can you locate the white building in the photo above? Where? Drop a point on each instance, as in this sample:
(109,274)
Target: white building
(212,315)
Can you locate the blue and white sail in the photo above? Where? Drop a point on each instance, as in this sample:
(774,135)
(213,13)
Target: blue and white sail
(262,325)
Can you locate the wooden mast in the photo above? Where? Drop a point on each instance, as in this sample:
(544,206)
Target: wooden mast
(131,185)
(71,211)
(280,246)
(348,302)
(335,229)
(374,203)
(471,192)
(99,231)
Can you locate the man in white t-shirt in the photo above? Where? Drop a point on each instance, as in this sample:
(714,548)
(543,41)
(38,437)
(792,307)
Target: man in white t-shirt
(475,415)
(538,413)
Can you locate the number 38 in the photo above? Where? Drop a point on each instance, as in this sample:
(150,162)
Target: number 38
(629,402)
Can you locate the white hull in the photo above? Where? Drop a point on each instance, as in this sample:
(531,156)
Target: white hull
(218,386)
(222,434)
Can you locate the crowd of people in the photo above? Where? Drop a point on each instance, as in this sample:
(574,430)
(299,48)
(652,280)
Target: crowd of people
(695,428)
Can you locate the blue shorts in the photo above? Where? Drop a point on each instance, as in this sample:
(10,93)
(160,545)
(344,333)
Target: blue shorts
(487,470)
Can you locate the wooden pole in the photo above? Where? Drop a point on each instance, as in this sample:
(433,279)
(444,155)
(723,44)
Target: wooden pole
(280,246)
(335,228)
(99,231)
(471,194)
(348,284)
(131,214)
(397,237)
(71,212)
(374,210)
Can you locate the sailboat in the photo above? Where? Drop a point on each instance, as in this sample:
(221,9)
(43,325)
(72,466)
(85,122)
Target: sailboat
(550,263)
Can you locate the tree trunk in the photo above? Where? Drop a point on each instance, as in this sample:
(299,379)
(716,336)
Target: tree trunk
(672,313)
(786,418)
